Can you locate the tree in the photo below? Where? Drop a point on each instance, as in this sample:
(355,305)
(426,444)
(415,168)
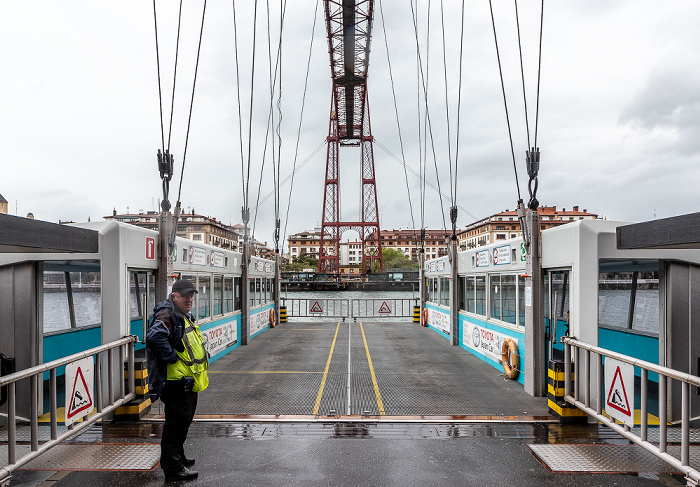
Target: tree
(395,259)
(302,262)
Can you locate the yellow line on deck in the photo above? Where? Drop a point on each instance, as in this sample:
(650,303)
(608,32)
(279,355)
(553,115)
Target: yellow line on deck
(262,372)
(325,372)
(380,404)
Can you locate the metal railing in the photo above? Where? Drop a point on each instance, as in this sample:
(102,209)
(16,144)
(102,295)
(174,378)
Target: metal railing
(124,347)
(666,375)
(350,308)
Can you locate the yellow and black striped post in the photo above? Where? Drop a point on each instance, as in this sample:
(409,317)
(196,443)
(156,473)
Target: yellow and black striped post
(416,314)
(137,408)
(283,314)
(560,409)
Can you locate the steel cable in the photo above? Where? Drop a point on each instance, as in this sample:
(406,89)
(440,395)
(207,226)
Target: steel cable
(398,123)
(160,93)
(177,51)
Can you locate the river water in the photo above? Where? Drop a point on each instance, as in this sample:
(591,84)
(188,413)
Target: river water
(613,306)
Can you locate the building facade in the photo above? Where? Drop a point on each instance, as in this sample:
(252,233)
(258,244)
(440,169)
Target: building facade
(198,228)
(505,225)
(306,243)
(3,205)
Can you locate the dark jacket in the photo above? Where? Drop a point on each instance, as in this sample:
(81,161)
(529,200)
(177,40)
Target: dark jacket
(164,334)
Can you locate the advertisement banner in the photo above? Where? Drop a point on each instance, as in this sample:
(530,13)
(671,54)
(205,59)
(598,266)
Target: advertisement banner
(220,337)
(438,319)
(259,320)
(485,341)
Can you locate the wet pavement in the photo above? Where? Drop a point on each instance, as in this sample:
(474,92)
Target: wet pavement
(408,409)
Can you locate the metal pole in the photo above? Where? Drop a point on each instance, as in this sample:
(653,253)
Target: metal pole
(663,405)
(421,278)
(34,412)
(245,290)
(534,329)
(11,424)
(164,279)
(454,298)
(644,399)
(54,405)
(277,287)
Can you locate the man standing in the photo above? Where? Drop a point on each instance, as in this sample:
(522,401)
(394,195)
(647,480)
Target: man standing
(177,364)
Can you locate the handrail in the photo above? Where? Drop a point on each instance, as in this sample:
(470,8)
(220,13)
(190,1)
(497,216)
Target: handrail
(34,374)
(350,307)
(583,365)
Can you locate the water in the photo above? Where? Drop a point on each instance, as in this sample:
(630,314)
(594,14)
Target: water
(613,309)
(87,305)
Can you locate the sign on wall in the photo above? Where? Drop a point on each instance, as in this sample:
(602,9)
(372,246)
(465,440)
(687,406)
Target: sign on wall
(501,255)
(483,340)
(482,258)
(439,320)
(197,255)
(218,338)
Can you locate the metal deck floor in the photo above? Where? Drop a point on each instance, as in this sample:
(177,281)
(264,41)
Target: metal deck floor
(290,370)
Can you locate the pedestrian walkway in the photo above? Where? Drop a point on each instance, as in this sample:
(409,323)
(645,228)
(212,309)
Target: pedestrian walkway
(354,404)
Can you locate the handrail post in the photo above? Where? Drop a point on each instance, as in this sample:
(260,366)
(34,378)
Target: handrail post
(587,384)
(685,424)
(54,404)
(567,369)
(132,380)
(98,381)
(662,413)
(34,412)
(600,385)
(11,424)
(120,373)
(110,375)
(577,372)
(644,399)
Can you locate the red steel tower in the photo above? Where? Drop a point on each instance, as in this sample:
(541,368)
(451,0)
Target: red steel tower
(349,29)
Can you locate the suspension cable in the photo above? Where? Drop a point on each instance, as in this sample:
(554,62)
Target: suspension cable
(189,119)
(160,93)
(177,50)
(539,69)
(459,103)
(522,71)
(505,103)
(238,92)
(427,113)
(447,104)
(396,111)
(246,215)
(301,119)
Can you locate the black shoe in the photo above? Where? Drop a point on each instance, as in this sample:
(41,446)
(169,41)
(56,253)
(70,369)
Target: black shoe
(188,462)
(184,474)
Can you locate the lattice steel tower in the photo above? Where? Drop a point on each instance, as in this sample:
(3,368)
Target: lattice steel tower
(349,29)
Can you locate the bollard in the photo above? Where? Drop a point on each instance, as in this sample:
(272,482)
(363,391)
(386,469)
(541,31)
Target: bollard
(283,314)
(416,314)
(566,413)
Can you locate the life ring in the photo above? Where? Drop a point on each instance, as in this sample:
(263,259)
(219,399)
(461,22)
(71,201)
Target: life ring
(510,358)
(425,316)
(272,318)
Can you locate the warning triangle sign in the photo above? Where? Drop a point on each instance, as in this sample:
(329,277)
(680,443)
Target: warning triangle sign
(80,397)
(384,308)
(316,308)
(617,395)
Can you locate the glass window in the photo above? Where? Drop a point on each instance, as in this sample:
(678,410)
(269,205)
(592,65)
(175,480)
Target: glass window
(218,295)
(444,291)
(521,300)
(508,298)
(462,292)
(237,294)
(228,294)
(471,302)
(137,289)
(480,282)
(204,289)
(625,286)
(252,291)
(64,291)
(495,296)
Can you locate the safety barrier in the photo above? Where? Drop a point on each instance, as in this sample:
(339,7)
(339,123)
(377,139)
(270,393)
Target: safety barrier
(350,308)
(583,352)
(124,347)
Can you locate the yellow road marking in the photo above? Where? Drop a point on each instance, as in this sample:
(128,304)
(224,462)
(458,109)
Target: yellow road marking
(380,404)
(262,372)
(325,373)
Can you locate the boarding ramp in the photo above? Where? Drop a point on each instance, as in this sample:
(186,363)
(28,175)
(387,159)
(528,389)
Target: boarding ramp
(607,392)
(350,308)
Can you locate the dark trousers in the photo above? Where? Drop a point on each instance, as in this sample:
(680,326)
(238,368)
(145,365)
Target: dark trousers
(180,406)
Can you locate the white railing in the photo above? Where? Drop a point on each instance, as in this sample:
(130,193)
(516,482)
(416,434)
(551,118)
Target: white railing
(583,367)
(125,348)
(350,308)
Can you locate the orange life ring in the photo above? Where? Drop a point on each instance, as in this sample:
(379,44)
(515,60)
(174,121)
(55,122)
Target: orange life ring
(425,316)
(272,318)
(510,358)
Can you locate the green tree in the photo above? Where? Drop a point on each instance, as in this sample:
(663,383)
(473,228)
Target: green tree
(301,262)
(395,259)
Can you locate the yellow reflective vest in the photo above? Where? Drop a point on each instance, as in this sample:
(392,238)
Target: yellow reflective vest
(193,361)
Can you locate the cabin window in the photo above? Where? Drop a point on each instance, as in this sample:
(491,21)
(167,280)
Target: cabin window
(228,294)
(495,296)
(203,306)
(237,294)
(444,291)
(71,299)
(218,295)
(625,286)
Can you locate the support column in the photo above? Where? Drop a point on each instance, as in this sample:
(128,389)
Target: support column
(454,294)
(245,291)
(277,287)
(164,279)
(421,279)
(534,325)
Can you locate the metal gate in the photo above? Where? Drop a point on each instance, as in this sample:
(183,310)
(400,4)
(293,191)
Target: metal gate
(350,308)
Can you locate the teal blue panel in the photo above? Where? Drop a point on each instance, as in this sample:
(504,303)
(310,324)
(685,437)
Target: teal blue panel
(61,345)
(230,348)
(136,328)
(635,345)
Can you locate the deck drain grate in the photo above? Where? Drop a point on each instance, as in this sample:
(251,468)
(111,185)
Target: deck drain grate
(606,458)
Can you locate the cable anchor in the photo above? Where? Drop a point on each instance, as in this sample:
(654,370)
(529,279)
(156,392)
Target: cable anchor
(165,167)
(533,168)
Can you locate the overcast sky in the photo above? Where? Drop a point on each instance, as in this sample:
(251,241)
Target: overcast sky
(619,123)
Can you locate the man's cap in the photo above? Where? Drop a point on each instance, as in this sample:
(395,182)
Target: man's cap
(183,286)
